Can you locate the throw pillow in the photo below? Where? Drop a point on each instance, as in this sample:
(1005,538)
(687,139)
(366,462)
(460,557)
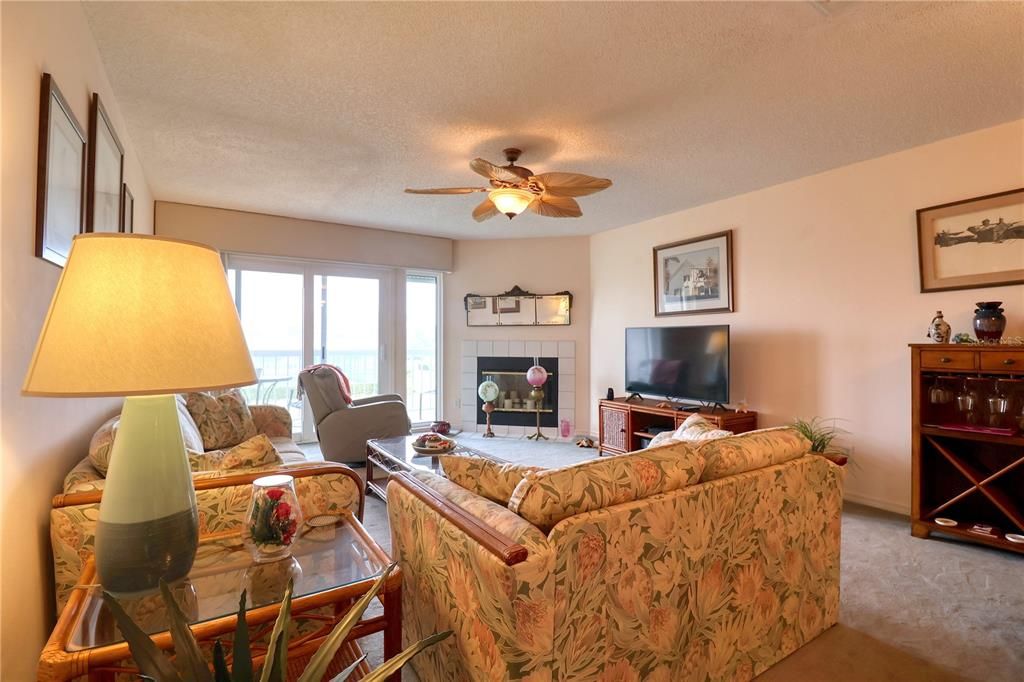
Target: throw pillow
(101,443)
(696,428)
(485,477)
(547,497)
(223,420)
(751,450)
(255,452)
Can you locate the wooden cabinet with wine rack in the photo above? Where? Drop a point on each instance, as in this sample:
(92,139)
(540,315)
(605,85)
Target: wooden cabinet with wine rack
(968,443)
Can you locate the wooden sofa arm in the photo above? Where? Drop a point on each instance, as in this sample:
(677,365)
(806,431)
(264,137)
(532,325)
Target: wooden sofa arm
(242,478)
(511,553)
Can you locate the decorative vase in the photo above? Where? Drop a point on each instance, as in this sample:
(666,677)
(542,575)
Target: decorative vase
(939,330)
(273,518)
(989,321)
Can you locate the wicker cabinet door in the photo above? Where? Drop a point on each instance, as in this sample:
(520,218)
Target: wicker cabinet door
(614,435)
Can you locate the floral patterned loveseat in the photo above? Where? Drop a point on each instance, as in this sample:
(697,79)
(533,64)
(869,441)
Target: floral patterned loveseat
(703,561)
(222,496)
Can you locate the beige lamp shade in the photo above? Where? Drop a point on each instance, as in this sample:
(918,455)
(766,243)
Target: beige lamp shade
(137,315)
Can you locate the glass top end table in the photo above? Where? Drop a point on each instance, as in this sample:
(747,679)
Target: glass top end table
(395,454)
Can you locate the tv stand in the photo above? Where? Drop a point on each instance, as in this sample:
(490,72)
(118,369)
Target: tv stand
(623,421)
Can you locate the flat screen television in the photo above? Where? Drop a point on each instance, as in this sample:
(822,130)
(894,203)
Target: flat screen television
(688,363)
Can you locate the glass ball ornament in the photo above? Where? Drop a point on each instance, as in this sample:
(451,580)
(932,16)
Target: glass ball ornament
(536,375)
(488,391)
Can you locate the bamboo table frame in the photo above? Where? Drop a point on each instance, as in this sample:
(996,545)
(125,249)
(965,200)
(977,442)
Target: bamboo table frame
(57,664)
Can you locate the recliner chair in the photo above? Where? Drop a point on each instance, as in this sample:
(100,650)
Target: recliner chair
(343,428)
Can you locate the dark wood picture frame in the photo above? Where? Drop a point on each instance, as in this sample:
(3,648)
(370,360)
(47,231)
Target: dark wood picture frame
(926,251)
(99,124)
(52,103)
(127,209)
(727,280)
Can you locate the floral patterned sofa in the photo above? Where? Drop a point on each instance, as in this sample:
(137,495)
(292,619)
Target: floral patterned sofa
(221,495)
(687,561)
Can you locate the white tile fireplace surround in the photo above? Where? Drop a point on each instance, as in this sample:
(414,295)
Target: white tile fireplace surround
(565,351)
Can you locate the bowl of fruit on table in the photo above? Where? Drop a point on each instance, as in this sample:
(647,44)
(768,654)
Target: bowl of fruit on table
(433,444)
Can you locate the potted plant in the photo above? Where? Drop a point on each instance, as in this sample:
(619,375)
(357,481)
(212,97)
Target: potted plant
(821,433)
(190,666)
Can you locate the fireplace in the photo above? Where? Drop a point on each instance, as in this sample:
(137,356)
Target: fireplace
(513,406)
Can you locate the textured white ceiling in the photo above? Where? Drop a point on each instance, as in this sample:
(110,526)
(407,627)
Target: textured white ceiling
(327,111)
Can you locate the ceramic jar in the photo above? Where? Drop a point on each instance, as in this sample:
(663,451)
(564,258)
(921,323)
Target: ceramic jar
(939,330)
(989,321)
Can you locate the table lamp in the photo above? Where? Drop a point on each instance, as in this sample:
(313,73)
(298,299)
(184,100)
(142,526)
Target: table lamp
(144,317)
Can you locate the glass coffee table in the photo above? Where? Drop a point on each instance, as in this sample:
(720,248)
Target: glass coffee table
(392,455)
(333,563)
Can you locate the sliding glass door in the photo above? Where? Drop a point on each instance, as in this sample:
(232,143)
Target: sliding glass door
(298,313)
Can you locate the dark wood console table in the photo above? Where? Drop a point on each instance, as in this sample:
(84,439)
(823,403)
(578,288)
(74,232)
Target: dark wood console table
(622,424)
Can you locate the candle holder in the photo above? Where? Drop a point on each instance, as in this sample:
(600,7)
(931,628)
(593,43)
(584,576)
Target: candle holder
(488,408)
(536,376)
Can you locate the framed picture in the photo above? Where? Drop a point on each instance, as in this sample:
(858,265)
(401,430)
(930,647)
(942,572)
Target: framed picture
(972,243)
(694,275)
(127,209)
(61,175)
(506,304)
(106,172)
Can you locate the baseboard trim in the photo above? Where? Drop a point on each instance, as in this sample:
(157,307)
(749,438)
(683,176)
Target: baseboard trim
(871,501)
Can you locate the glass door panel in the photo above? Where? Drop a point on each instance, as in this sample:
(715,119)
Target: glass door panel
(270,309)
(421,336)
(347,329)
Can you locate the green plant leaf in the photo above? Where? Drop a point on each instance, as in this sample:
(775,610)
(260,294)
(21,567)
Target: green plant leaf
(220,664)
(393,664)
(343,675)
(241,654)
(282,624)
(318,663)
(188,656)
(148,657)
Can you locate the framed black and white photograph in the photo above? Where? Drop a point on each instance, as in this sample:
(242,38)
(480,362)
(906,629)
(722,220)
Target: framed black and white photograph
(106,172)
(61,178)
(972,243)
(694,275)
(127,210)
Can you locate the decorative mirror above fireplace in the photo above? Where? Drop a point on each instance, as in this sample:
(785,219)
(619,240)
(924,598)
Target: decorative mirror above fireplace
(518,308)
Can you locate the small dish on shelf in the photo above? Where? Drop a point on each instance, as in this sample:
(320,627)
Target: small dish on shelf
(942,521)
(1016,538)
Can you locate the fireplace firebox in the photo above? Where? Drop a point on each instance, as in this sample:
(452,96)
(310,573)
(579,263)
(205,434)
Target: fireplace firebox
(513,406)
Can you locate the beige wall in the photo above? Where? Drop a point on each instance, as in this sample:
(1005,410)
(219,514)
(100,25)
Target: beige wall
(542,266)
(42,438)
(270,235)
(827,293)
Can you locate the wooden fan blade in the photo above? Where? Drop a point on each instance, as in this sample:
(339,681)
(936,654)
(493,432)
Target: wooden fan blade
(555,207)
(489,170)
(448,190)
(571,184)
(486,209)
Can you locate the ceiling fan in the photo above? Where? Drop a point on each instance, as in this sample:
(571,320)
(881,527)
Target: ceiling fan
(515,188)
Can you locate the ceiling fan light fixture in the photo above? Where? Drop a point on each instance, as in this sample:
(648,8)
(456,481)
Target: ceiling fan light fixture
(511,201)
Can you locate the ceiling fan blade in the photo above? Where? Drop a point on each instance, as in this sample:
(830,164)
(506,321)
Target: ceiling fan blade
(448,190)
(489,170)
(486,209)
(555,207)
(571,184)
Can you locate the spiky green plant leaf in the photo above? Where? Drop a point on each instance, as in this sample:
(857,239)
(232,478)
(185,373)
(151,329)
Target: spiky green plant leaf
(220,664)
(241,654)
(148,657)
(344,674)
(393,664)
(281,625)
(189,658)
(318,663)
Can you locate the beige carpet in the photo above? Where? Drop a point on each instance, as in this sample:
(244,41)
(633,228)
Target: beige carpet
(929,610)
